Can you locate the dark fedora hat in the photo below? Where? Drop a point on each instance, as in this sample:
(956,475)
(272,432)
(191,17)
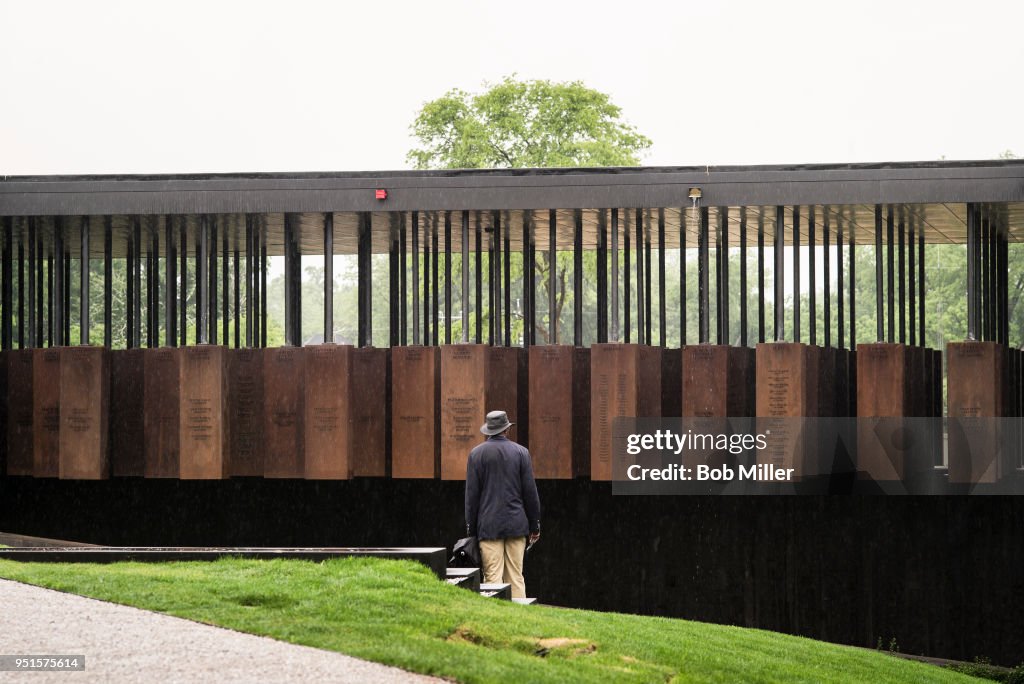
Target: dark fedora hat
(497,421)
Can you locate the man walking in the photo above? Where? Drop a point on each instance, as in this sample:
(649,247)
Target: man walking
(502,505)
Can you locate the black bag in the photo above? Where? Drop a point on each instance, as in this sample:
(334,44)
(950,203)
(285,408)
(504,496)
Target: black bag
(465,553)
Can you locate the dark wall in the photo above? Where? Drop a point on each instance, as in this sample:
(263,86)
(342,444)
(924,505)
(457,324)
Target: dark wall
(943,575)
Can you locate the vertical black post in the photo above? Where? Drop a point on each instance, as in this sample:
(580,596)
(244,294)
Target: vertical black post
(988,308)
(212,290)
(840,329)
(529,281)
(403,279)
(40,293)
(427,307)
(237,273)
(508,280)
(170,293)
(879,289)
(682,277)
(329,277)
(647,277)
(67,293)
(853,291)
(83,283)
(129,305)
(552,273)
(602,276)
(254,310)
(414,229)
(293,283)
(183,290)
(365,292)
(661,276)
(497,302)
(920,285)
(32,341)
(6,338)
(50,340)
(577,279)
(203,283)
(21,291)
(135,276)
(616,334)
(992,305)
(902,283)
(478,307)
(465,278)
(403,282)
(263,265)
(703,290)
(912,285)
(796,273)
(108,280)
(777,290)
(626,283)
(826,240)
(224,287)
(984,274)
(760,277)
(973,295)
(743,276)
(495,281)
(723,285)
(434,266)
(154,273)
(1004,284)
(464,268)
(890,250)
(250,263)
(394,294)
(812,286)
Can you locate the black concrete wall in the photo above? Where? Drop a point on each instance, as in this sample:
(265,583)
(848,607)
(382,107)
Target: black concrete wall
(943,575)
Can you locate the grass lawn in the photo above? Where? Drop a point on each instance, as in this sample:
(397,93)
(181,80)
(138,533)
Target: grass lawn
(397,612)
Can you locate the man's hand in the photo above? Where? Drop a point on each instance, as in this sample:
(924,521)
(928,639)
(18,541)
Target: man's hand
(534,536)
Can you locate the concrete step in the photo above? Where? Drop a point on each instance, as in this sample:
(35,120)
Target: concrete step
(499,590)
(524,601)
(467,578)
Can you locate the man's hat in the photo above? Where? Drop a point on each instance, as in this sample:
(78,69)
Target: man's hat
(497,422)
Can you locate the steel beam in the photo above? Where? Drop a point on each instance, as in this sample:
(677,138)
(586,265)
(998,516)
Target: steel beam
(615,332)
(812,286)
(879,281)
(743,276)
(778,292)
(703,290)
(329,277)
(365,280)
(796,273)
(641,306)
(661,275)
(83,282)
(577,279)
(108,280)
(973,256)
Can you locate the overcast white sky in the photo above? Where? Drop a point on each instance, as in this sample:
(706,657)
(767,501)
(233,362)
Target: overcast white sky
(136,87)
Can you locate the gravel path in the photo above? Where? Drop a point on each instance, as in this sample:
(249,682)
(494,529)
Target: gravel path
(124,644)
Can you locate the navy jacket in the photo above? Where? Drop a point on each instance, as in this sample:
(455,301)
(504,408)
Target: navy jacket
(501,495)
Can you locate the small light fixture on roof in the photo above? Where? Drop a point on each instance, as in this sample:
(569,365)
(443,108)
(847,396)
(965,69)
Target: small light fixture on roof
(695,195)
(381,194)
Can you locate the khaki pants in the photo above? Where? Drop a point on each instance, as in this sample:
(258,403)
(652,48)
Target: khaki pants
(503,562)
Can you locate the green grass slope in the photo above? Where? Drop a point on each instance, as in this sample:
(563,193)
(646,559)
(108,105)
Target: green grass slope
(397,612)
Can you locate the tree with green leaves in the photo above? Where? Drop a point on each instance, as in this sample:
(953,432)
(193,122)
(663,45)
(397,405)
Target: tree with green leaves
(538,123)
(524,124)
